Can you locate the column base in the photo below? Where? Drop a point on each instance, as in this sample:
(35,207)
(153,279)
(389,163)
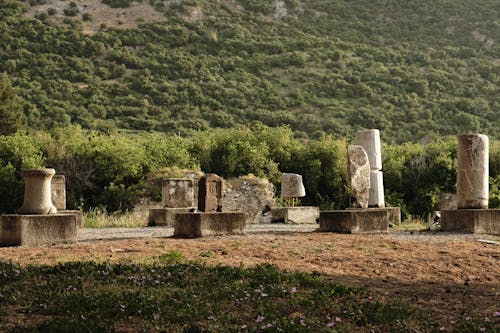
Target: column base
(192,225)
(474,221)
(295,215)
(354,221)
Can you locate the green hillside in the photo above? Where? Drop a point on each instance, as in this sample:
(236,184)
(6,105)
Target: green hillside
(415,70)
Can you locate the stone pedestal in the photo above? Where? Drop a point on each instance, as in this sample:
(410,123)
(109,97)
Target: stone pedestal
(472,171)
(36,230)
(37,192)
(210,193)
(477,221)
(58,190)
(295,215)
(191,225)
(165,216)
(353,221)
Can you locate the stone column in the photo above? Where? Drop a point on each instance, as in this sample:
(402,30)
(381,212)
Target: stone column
(37,192)
(472,171)
(359,174)
(58,189)
(370,141)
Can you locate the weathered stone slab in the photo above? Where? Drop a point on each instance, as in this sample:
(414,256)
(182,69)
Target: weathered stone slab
(58,188)
(353,221)
(36,230)
(472,171)
(177,193)
(292,186)
(165,216)
(295,215)
(376,196)
(191,225)
(359,174)
(477,221)
(210,193)
(370,141)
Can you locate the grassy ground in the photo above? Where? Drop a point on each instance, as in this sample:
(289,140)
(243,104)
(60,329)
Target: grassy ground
(177,296)
(99,218)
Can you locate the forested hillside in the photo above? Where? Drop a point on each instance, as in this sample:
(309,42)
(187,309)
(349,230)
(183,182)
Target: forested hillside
(414,69)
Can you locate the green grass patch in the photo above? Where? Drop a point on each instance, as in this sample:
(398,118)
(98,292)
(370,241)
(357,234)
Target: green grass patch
(99,218)
(189,297)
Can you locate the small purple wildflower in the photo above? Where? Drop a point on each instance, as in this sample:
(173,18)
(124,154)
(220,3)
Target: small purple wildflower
(259,319)
(212,318)
(243,326)
(482,329)
(338,319)
(302,322)
(263,295)
(266,326)
(442,328)
(122,307)
(468,318)
(330,324)
(496,314)
(293,290)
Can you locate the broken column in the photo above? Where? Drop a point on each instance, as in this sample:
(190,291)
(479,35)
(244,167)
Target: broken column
(359,174)
(472,215)
(39,222)
(370,141)
(472,171)
(58,189)
(177,197)
(210,220)
(292,188)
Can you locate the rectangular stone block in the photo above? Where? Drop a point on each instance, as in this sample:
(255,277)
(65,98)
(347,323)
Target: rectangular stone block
(353,221)
(177,192)
(376,193)
(210,193)
(78,214)
(58,189)
(165,216)
(36,230)
(193,225)
(477,221)
(295,215)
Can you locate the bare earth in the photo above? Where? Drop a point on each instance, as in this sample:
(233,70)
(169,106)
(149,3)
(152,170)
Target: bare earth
(448,273)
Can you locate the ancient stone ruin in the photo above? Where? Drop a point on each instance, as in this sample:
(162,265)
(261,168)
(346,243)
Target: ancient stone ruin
(292,188)
(370,141)
(210,220)
(472,215)
(177,197)
(38,222)
(359,174)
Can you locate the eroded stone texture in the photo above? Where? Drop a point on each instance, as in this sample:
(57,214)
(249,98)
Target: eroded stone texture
(37,192)
(177,192)
(472,171)
(192,225)
(292,186)
(376,196)
(359,174)
(58,188)
(370,141)
(210,193)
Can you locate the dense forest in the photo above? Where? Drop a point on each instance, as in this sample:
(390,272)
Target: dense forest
(416,70)
(247,86)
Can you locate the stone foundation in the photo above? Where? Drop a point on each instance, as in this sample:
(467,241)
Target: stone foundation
(353,221)
(295,215)
(36,230)
(191,225)
(76,212)
(165,216)
(477,221)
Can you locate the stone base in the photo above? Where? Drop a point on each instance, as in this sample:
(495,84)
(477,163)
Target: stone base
(353,221)
(165,216)
(191,225)
(35,230)
(295,215)
(477,221)
(77,213)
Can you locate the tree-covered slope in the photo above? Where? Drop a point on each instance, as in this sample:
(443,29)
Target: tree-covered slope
(413,69)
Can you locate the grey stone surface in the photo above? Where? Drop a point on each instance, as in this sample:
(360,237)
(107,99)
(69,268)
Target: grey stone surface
(358,168)
(370,141)
(292,186)
(191,225)
(178,192)
(210,193)
(37,192)
(373,220)
(251,195)
(58,189)
(472,171)
(165,216)
(477,221)
(376,197)
(37,230)
(295,215)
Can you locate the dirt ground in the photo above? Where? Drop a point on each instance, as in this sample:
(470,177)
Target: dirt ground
(452,276)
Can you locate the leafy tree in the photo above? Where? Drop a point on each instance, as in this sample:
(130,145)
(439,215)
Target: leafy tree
(12,117)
